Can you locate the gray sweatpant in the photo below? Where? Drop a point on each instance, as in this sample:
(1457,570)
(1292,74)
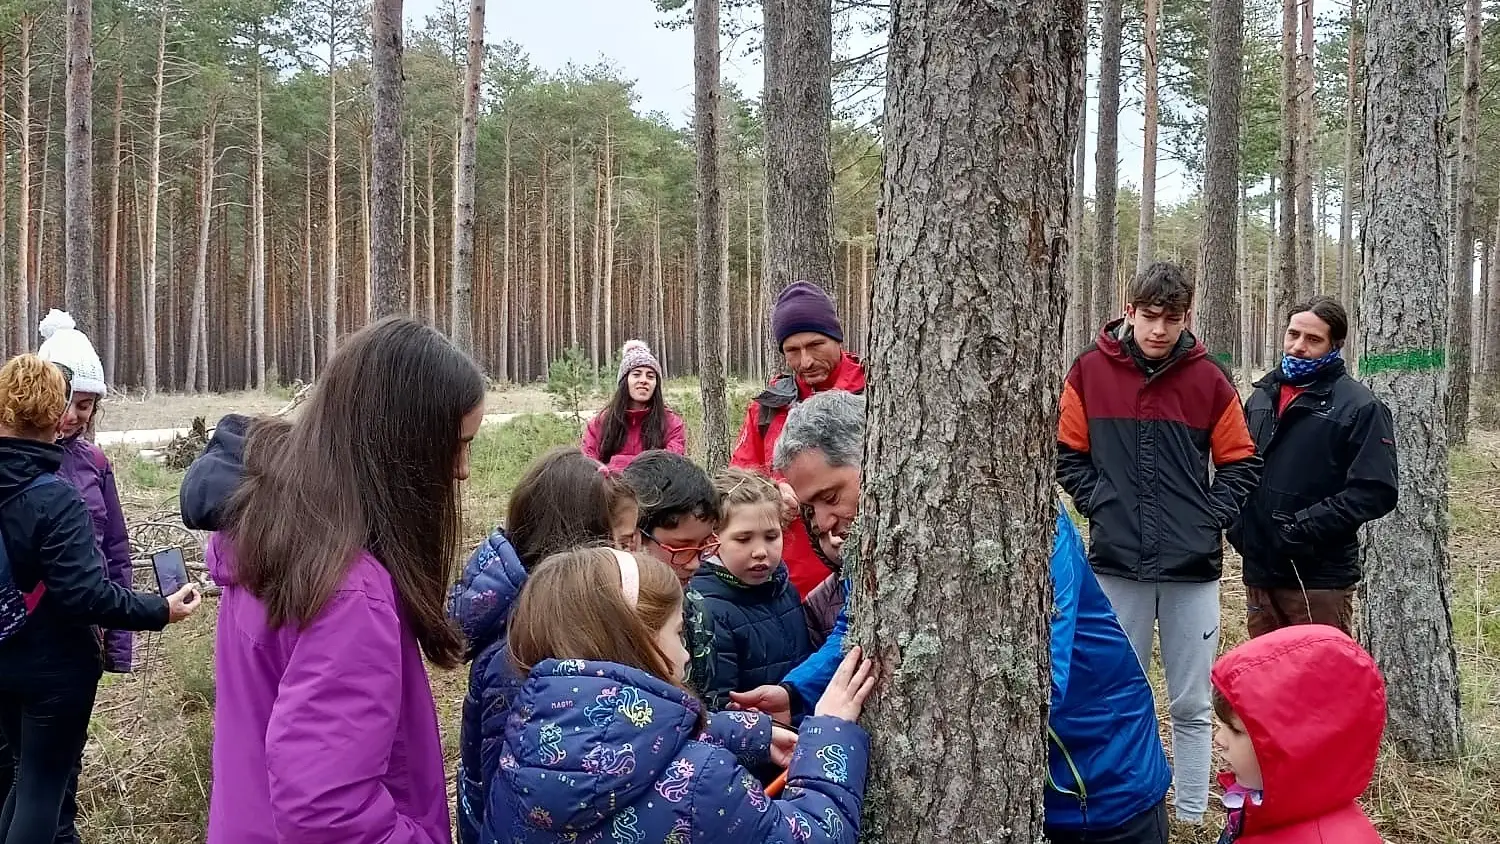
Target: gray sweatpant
(1188,616)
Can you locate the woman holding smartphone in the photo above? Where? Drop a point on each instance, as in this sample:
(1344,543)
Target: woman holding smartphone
(51,660)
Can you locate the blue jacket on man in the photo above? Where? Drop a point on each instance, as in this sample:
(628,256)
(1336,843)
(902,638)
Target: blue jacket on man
(1105,762)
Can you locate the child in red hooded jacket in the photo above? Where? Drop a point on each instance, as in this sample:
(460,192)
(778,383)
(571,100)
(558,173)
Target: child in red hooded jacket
(1302,711)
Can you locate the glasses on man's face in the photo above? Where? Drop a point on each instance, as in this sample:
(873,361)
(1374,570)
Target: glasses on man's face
(683,556)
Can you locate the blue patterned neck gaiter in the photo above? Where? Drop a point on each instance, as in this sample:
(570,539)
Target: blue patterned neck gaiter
(1299,370)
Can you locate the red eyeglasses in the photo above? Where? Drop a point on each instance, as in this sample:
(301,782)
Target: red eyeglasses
(683,556)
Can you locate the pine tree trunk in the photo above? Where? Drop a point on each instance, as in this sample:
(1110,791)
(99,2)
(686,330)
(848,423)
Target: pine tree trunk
(608,282)
(1246,293)
(1286,284)
(505,270)
(710,241)
(112,246)
(462,300)
(1107,167)
(797,113)
(597,288)
(307,283)
(412,298)
(572,246)
(1307,138)
(197,367)
(392,295)
(367,291)
(153,200)
(659,294)
(952,270)
(22,302)
(1145,252)
(429,294)
(1221,177)
(258,246)
(78,170)
(1489,366)
(1351,127)
(331,190)
(1461,318)
(1403,316)
(1081,302)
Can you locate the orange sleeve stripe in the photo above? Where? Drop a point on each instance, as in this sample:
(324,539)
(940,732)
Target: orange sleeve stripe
(1231,438)
(1072,423)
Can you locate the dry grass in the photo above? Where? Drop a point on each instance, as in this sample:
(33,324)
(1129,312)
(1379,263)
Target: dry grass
(148,767)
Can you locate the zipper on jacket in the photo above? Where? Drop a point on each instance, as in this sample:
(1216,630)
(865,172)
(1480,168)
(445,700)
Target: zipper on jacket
(1082,794)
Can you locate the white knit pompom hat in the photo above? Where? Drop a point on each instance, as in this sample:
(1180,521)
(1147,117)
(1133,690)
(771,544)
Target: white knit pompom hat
(63,343)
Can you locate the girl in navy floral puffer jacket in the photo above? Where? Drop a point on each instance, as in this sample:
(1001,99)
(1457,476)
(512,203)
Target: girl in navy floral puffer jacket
(604,745)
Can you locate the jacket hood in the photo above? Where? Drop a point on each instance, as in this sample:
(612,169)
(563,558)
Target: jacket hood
(611,731)
(1313,704)
(1112,336)
(481,600)
(22,461)
(215,475)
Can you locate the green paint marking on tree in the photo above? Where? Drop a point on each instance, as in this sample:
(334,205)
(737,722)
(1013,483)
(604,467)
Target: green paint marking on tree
(1413,361)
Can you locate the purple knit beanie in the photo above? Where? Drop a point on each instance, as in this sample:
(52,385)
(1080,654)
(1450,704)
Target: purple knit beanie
(803,306)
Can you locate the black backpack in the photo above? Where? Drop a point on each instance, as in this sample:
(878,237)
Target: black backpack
(15,605)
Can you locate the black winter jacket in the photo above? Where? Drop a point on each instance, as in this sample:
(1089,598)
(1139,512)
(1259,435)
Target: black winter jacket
(1330,466)
(760,632)
(50,540)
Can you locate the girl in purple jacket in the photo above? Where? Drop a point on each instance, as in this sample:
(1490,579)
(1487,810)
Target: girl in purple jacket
(605,743)
(88,470)
(335,553)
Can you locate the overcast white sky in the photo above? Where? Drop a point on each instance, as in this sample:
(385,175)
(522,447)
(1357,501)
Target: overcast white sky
(625,32)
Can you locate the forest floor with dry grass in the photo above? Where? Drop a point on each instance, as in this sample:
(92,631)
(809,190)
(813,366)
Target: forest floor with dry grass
(148,765)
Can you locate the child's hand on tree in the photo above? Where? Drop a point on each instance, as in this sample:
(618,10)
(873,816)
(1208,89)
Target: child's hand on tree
(851,684)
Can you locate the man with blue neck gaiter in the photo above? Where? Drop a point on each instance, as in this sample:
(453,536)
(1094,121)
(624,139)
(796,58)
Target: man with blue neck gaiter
(1329,448)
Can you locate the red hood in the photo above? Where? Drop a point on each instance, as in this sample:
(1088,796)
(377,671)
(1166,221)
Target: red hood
(1111,341)
(1313,703)
(848,376)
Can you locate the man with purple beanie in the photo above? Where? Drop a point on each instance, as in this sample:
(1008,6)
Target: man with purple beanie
(807,330)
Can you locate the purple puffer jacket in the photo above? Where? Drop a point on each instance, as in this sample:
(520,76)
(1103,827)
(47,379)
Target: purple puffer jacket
(89,471)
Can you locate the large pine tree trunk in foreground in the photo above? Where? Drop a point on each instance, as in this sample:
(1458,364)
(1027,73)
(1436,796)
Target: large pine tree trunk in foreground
(1221,179)
(967,317)
(1403,317)
(711,242)
(391,290)
(78,170)
(798,103)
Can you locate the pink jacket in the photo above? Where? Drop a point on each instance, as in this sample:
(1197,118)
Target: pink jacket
(593,437)
(326,733)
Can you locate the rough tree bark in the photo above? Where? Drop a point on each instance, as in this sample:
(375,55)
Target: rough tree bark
(1306,127)
(710,240)
(1460,324)
(1351,131)
(197,367)
(1145,251)
(1221,177)
(1488,378)
(391,291)
(461,302)
(967,313)
(798,110)
(1107,164)
(78,170)
(1286,279)
(1403,317)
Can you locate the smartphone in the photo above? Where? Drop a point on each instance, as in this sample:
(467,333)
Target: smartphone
(171,570)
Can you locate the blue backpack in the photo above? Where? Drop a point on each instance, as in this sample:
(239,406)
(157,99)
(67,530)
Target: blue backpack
(16,605)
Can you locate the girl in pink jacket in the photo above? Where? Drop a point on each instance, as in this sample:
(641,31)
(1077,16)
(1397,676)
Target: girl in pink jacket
(636,418)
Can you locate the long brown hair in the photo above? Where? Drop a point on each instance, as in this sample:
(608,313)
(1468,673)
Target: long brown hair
(563,501)
(368,465)
(573,607)
(617,421)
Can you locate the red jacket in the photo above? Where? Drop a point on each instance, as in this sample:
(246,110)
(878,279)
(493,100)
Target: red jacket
(593,436)
(754,449)
(1313,703)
